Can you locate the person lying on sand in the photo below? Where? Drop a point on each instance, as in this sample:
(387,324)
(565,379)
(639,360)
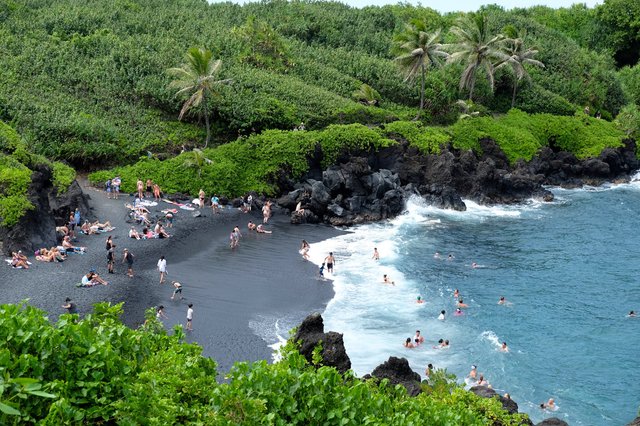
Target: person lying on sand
(51,255)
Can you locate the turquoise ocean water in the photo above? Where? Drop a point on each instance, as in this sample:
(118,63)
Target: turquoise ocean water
(570,271)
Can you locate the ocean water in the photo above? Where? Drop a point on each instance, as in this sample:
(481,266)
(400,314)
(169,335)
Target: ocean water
(569,270)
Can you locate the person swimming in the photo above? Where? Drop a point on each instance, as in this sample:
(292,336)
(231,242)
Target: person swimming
(450,257)
(631,314)
(419,299)
(474,265)
(458,312)
(407,343)
(502,300)
(504,347)
(461,304)
(549,405)
(441,316)
(437,255)
(387,280)
(456,294)
(440,344)
(473,373)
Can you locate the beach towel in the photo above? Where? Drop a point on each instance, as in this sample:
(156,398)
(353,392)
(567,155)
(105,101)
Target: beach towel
(15,267)
(182,206)
(174,211)
(147,203)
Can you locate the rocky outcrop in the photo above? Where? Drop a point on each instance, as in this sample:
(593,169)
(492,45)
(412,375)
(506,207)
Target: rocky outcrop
(311,333)
(37,228)
(508,404)
(635,422)
(398,372)
(369,186)
(552,421)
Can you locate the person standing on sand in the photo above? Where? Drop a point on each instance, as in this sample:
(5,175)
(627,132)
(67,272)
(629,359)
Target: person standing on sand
(149,190)
(190,317)
(140,187)
(116,182)
(111,257)
(266,212)
(330,260)
(304,250)
(156,191)
(201,196)
(162,268)
(128,257)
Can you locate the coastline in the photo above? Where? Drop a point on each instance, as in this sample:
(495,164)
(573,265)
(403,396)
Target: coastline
(263,279)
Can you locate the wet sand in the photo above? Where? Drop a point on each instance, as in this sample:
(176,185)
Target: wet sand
(243,298)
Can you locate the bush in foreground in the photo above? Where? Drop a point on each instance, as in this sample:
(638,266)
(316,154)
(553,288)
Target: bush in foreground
(96,370)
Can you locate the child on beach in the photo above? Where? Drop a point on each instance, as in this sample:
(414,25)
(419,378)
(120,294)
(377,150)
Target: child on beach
(177,289)
(190,317)
(321,271)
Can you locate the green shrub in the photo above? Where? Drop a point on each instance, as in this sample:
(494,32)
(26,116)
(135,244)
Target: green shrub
(427,140)
(14,184)
(248,164)
(63,176)
(101,371)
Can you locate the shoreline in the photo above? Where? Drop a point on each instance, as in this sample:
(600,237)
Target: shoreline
(264,278)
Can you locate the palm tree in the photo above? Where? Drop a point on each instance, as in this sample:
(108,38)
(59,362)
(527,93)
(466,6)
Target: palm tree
(467,109)
(197,78)
(518,56)
(366,95)
(197,161)
(476,47)
(417,50)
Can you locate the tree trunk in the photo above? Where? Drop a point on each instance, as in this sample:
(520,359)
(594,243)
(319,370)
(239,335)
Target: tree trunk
(473,83)
(421,92)
(513,97)
(206,121)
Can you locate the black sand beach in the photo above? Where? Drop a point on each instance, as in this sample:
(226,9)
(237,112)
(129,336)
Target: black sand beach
(242,298)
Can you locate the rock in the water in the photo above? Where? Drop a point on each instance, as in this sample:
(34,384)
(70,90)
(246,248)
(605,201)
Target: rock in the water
(552,421)
(398,371)
(635,422)
(311,332)
(508,404)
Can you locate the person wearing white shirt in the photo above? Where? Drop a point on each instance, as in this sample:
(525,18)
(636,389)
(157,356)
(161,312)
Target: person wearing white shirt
(162,268)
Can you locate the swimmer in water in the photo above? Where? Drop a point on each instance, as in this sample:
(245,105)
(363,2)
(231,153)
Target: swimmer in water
(461,304)
(419,299)
(445,345)
(474,265)
(387,280)
(407,343)
(450,257)
(439,345)
(456,294)
(631,314)
(549,405)
(458,312)
(418,338)
(441,316)
(473,373)
(502,300)
(437,255)
(504,347)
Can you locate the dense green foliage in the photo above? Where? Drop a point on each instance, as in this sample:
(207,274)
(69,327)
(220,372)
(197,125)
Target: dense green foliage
(255,163)
(248,164)
(86,81)
(96,370)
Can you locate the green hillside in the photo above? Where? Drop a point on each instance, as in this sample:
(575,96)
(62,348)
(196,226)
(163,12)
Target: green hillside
(86,82)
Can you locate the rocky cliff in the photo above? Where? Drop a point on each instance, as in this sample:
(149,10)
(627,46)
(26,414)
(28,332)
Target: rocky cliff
(368,186)
(37,228)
